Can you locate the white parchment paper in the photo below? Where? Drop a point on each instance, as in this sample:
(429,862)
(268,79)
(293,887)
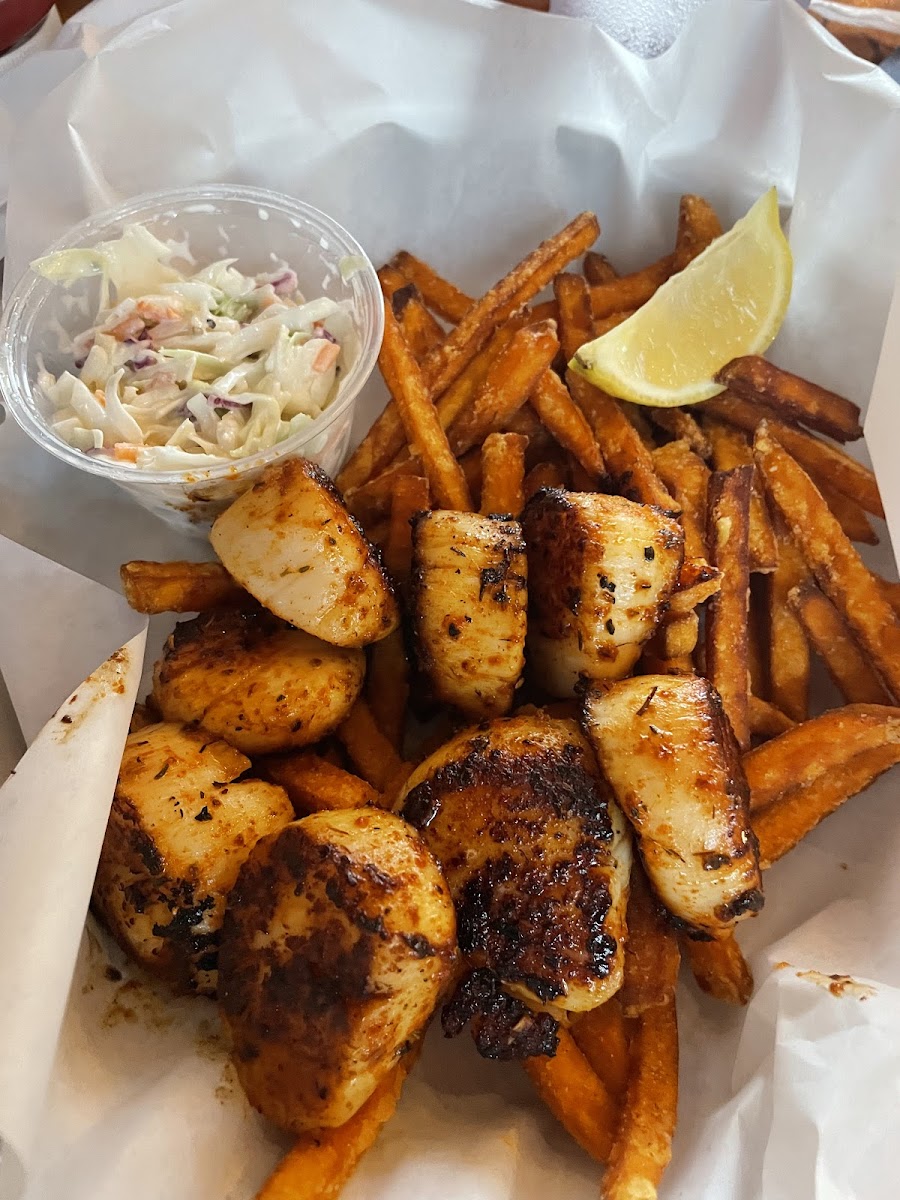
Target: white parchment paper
(468,132)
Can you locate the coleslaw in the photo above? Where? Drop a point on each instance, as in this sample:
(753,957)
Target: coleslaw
(184,369)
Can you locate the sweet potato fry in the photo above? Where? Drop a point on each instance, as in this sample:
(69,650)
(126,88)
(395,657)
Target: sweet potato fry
(686,476)
(630,291)
(601,1037)
(731,448)
(891,592)
(439,294)
(651,952)
(315,785)
(849,515)
(628,460)
(387,687)
(524,282)
(576,1096)
(510,380)
(547,310)
(697,581)
(727,655)
(832,558)
(676,636)
(181,587)
(817,749)
(826,462)
(371,752)
(720,968)
(461,393)
(576,322)
(643,1145)
(544,474)
(827,631)
(607,323)
(698,226)
(319,1164)
(503,472)
(679,423)
(410,495)
(598,269)
(787,820)
(792,397)
(562,417)
(766,720)
(788,648)
(421,330)
(406,384)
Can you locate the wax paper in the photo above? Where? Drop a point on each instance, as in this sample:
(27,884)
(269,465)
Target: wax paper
(468,132)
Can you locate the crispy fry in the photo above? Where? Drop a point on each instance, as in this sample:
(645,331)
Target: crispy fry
(159,587)
(568,425)
(787,820)
(731,448)
(891,592)
(839,570)
(576,1096)
(676,636)
(547,310)
(681,425)
(849,515)
(697,581)
(607,323)
(651,952)
(313,784)
(686,476)
(636,414)
(727,654)
(827,631)
(828,463)
(627,458)
(503,472)
(407,385)
(791,397)
(421,330)
(545,474)
(720,968)
(643,1145)
(598,268)
(319,1164)
(387,687)
(757,637)
(510,380)
(601,1037)
(576,322)
(371,752)
(766,720)
(698,227)
(817,749)
(788,648)
(630,291)
(439,294)
(524,282)
(410,494)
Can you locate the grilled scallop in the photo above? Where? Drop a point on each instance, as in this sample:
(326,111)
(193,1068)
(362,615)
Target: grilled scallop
(668,751)
(469,609)
(256,681)
(291,543)
(339,938)
(601,570)
(537,857)
(179,829)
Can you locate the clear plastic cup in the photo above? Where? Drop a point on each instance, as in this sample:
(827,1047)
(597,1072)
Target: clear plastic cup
(257,227)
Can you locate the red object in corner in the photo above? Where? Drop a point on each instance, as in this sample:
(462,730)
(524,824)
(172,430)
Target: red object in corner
(20,17)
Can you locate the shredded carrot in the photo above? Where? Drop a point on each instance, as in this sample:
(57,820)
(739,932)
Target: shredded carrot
(125,452)
(326,357)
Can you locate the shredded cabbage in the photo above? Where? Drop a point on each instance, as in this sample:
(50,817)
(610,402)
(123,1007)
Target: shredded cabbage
(180,371)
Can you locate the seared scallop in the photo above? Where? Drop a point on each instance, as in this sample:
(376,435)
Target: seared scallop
(600,571)
(469,609)
(339,939)
(668,751)
(536,854)
(292,544)
(256,681)
(179,829)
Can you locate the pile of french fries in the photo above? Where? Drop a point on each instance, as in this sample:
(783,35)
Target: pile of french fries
(483,413)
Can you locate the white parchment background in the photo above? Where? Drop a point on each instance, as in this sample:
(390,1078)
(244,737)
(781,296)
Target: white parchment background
(468,132)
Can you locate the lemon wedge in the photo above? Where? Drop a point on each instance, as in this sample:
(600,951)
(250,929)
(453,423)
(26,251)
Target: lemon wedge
(730,301)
